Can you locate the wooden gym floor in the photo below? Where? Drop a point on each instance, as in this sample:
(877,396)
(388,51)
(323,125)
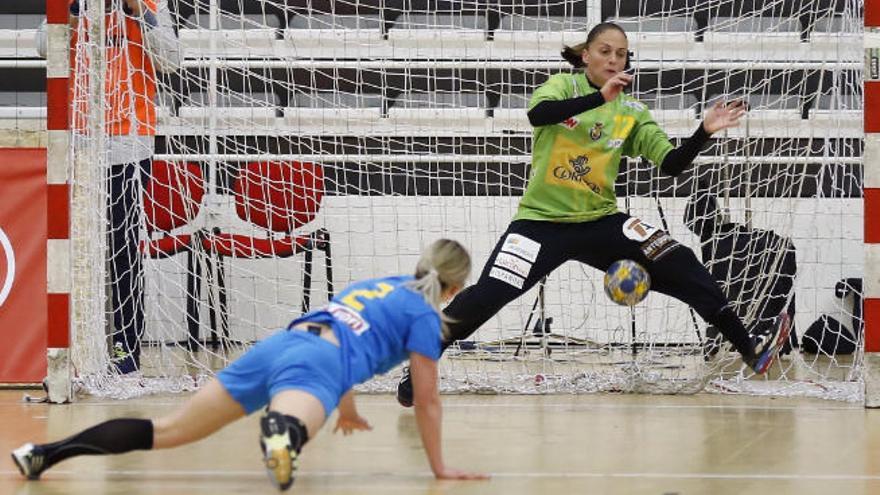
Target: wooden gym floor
(587,444)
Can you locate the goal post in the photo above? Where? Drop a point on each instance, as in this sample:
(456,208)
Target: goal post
(59,283)
(872,204)
(376,130)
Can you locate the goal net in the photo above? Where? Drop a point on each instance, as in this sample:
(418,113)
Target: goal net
(303,145)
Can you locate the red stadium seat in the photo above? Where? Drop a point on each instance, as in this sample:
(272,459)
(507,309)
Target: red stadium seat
(280,197)
(172,199)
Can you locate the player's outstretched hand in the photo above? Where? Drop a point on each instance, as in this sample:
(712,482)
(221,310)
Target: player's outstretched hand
(723,115)
(350,424)
(457,474)
(615,85)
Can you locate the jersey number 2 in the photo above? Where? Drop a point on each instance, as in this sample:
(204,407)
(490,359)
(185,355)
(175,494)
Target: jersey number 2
(351,300)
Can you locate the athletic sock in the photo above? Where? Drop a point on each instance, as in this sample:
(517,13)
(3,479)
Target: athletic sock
(116,436)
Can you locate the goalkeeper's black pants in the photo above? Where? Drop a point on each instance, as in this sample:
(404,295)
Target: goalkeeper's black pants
(530,250)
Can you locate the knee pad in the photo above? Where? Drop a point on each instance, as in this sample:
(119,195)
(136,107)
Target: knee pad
(274,422)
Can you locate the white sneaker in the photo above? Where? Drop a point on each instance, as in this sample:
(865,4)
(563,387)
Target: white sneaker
(30,459)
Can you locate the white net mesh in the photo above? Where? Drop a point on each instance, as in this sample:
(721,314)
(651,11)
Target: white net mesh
(370,131)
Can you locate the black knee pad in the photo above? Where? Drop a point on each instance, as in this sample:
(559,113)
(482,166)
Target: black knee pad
(296,429)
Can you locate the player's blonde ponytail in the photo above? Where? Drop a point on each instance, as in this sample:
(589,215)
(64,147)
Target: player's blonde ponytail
(445,263)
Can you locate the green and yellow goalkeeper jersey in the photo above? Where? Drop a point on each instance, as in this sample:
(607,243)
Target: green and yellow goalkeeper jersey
(575,163)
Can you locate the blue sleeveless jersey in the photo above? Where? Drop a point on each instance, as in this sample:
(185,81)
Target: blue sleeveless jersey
(378,323)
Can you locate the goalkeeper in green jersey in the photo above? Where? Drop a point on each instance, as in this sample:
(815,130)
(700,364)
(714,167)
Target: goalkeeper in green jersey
(583,124)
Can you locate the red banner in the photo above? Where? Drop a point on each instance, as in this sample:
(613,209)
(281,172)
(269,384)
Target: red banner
(23,318)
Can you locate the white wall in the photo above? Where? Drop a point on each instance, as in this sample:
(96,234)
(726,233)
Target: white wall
(382,235)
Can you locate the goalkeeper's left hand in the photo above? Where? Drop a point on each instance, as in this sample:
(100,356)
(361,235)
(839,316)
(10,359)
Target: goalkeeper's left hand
(723,115)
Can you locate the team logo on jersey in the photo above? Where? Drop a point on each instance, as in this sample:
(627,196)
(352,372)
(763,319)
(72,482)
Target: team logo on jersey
(577,172)
(349,316)
(596,131)
(654,242)
(7,267)
(521,246)
(637,230)
(507,277)
(511,263)
(637,105)
(570,122)
(658,245)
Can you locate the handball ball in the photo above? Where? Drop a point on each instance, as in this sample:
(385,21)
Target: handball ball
(627,282)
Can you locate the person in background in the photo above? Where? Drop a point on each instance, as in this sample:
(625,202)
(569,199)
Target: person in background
(140,43)
(755,268)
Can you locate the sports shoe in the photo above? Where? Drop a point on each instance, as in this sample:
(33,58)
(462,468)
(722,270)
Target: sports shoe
(405,389)
(278,454)
(123,361)
(30,459)
(767,345)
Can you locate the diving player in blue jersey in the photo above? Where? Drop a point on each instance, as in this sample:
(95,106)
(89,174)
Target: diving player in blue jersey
(303,373)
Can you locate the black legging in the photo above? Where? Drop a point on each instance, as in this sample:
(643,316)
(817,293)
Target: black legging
(673,268)
(124,207)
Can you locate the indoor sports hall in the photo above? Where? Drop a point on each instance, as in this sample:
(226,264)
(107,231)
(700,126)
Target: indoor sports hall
(181,179)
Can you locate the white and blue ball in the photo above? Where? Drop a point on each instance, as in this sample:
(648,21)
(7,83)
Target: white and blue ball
(627,282)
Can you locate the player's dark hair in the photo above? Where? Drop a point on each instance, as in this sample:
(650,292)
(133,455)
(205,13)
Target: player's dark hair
(572,54)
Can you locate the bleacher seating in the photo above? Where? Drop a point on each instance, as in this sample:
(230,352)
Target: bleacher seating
(334,112)
(675,113)
(837,113)
(510,114)
(655,38)
(423,36)
(775,106)
(769,115)
(236,36)
(348,39)
(22,81)
(444,112)
(743,37)
(835,37)
(22,105)
(165,106)
(524,37)
(17,35)
(257,110)
(336,36)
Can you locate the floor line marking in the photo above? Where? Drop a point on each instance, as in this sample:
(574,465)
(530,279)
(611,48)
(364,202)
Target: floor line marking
(512,475)
(558,405)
